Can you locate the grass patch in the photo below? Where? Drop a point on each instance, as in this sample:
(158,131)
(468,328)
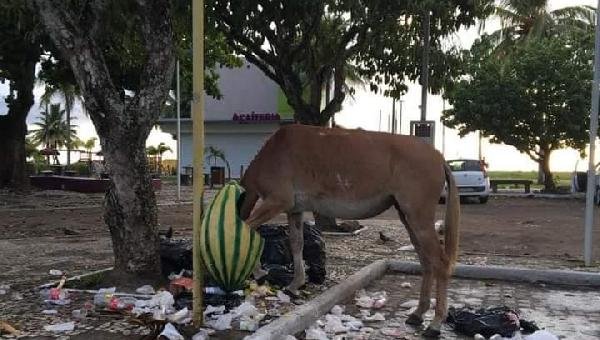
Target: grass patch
(561,178)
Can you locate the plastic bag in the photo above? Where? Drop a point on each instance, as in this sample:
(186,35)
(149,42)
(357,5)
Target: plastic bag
(171,333)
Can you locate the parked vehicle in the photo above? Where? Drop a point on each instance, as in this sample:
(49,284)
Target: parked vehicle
(471,179)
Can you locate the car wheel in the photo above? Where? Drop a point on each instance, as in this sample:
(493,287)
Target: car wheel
(483,199)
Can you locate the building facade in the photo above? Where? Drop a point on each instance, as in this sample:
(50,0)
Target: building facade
(251,109)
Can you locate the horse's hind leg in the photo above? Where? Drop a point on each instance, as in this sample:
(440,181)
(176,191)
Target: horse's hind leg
(420,226)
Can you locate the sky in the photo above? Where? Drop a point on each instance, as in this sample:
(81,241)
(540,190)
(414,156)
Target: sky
(364,111)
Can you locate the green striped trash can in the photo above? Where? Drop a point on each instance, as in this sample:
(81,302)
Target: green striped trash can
(229,248)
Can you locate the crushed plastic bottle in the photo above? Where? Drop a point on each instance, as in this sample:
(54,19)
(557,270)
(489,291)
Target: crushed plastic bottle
(61,327)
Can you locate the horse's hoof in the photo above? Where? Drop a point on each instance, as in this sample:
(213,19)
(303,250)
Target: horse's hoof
(414,320)
(431,333)
(294,294)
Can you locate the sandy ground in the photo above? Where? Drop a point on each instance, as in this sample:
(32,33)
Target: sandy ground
(46,230)
(60,230)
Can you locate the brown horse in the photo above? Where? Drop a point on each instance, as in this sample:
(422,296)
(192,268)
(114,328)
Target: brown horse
(356,175)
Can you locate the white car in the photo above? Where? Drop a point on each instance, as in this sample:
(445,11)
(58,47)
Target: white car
(471,179)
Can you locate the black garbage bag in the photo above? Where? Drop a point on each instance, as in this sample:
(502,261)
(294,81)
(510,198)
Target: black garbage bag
(277,256)
(175,255)
(488,321)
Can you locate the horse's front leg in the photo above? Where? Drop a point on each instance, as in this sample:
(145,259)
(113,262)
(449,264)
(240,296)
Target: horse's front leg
(296,233)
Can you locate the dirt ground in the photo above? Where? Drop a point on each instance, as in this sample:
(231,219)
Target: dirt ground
(62,230)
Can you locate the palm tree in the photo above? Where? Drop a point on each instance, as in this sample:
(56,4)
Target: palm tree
(215,154)
(88,145)
(70,93)
(160,149)
(53,132)
(523,20)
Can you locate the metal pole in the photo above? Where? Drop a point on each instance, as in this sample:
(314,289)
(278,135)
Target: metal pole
(479,145)
(425,67)
(443,131)
(379,120)
(178,137)
(393,115)
(198,151)
(400,117)
(591,176)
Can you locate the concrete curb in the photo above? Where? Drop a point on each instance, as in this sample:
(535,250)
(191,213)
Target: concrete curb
(557,277)
(302,317)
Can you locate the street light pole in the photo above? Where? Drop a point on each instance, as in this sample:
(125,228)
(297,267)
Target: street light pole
(425,66)
(178,137)
(591,176)
(198,150)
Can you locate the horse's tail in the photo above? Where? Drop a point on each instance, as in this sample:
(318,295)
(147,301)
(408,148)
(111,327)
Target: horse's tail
(452,219)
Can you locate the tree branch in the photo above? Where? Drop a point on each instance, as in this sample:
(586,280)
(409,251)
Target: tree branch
(86,59)
(157,33)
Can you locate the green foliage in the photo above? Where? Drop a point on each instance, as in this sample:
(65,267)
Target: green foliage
(301,44)
(53,131)
(537,101)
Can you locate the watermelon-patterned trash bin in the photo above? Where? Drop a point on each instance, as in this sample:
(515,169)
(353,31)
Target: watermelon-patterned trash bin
(230,249)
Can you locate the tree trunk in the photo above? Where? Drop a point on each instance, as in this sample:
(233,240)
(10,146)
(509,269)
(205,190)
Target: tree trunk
(12,156)
(548,178)
(130,207)
(13,126)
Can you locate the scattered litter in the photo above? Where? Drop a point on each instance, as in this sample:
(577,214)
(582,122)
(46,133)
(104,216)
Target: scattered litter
(214,310)
(375,317)
(222,322)
(171,333)
(16,296)
(79,313)
(180,317)
(283,297)
(315,333)
(496,337)
(181,285)
(103,296)
(4,289)
(479,337)
(409,247)
(541,335)
(371,300)
(247,324)
(203,334)
(49,311)
(61,327)
(121,303)
(245,309)
(406,285)
(146,289)
(333,324)
(260,291)
(337,310)
(395,332)
(56,272)
(488,322)
(409,304)
(174,276)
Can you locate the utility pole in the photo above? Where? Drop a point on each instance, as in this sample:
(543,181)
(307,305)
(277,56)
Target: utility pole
(400,117)
(425,66)
(394,116)
(178,137)
(198,150)
(591,175)
(443,130)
